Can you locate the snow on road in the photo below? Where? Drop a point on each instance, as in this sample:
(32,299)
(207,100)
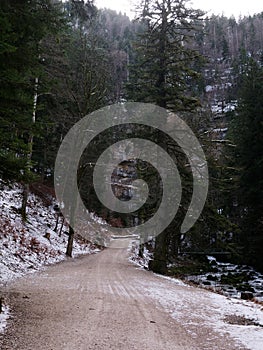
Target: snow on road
(209,310)
(120,306)
(104,302)
(242,319)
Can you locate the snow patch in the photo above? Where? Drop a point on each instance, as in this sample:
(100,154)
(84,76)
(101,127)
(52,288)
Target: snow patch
(4,315)
(135,258)
(211,311)
(28,247)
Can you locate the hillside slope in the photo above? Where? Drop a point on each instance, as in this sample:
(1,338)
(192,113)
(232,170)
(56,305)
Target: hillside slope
(26,247)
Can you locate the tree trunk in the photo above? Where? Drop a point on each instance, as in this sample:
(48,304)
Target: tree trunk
(29,155)
(1,304)
(175,241)
(70,242)
(24,202)
(61,227)
(57,219)
(159,262)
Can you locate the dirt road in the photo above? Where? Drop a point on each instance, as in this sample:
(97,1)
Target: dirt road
(103,302)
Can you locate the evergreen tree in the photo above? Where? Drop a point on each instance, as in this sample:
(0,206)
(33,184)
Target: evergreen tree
(162,74)
(164,62)
(81,70)
(25,24)
(247,133)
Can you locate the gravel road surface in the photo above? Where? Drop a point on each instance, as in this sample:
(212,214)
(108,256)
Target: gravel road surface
(101,302)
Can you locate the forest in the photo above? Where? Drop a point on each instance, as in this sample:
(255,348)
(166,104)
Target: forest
(60,61)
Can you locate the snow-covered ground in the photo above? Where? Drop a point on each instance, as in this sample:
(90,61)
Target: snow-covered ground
(28,247)
(242,319)
(24,249)
(215,279)
(249,279)
(135,258)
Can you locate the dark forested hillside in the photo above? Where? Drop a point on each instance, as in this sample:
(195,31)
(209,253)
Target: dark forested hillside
(60,61)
